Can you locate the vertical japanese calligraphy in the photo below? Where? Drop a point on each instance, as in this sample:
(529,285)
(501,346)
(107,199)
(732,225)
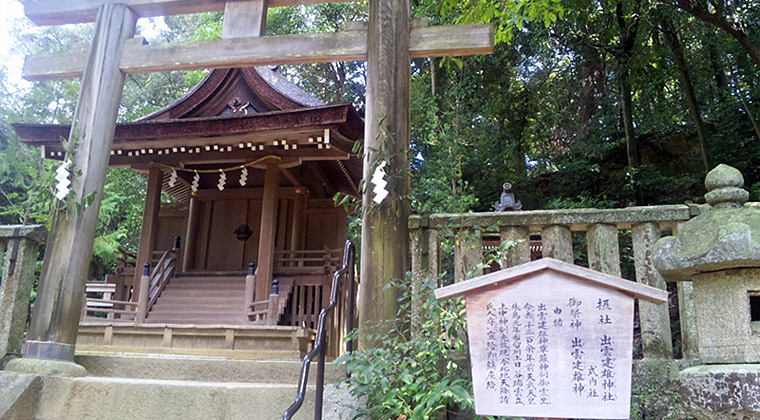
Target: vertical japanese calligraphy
(564,354)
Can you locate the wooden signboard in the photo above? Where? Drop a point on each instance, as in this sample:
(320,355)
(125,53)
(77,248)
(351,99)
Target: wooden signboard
(550,339)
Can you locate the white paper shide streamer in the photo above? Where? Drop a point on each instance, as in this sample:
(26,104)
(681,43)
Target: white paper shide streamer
(378,179)
(62,176)
(196,182)
(173,178)
(222,180)
(243,176)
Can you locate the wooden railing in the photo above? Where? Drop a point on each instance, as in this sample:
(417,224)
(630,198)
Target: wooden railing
(307,260)
(555,229)
(106,307)
(303,278)
(268,311)
(153,283)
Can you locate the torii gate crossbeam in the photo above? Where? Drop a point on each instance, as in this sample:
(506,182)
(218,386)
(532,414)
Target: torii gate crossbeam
(388,45)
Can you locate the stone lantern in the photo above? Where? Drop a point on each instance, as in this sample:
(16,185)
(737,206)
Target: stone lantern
(719,251)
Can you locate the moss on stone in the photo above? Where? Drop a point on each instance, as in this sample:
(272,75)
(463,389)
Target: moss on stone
(655,391)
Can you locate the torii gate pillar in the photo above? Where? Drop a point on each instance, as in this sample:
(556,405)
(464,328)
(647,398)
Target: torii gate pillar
(385,236)
(53,331)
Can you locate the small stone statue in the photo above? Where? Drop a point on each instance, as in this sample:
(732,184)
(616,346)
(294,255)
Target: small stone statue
(507,200)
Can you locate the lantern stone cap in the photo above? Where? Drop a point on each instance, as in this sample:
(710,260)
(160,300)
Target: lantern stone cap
(725,237)
(36,233)
(523,271)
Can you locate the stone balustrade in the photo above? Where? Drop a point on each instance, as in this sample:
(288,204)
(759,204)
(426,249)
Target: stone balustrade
(556,228)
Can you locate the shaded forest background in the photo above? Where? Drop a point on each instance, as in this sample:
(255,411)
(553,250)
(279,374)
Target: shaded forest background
(584,103)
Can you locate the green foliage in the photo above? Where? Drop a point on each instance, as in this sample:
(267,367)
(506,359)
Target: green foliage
(119,220)
(507,16)
(417,376)
(26,185)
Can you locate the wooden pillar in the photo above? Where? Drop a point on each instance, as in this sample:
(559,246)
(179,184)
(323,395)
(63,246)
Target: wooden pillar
(385,235)
(191,234)
(520,254)
(53,330)
(654,319)
(265,263)
(149,229)
(557,242)
(295,233)
(244,18)
(603,252)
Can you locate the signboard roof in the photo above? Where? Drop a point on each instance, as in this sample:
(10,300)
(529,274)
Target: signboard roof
(519,272)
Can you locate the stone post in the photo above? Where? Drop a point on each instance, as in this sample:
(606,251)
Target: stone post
(557,243)
(654,319)
(719,252)
(520,253)
(468,254)
(21,245)
(603,251)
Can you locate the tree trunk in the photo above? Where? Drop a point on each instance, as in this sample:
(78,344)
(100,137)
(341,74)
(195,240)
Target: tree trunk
(721,22)
(626,111)
(671,39)
(591,69)
(628,33)
(710,43)
(746,106)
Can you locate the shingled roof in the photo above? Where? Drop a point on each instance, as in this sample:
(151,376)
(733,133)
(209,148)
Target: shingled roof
(234,116)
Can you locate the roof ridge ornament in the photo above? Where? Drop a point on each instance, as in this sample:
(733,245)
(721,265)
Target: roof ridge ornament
(238,107)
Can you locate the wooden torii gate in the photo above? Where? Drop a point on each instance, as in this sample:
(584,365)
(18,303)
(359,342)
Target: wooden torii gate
(388,44)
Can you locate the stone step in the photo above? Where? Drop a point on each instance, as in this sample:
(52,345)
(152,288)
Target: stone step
(60,398)
(204,369)
(151,399)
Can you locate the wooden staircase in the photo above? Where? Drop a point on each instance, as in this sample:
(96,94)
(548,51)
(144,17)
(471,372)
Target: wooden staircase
(200,298)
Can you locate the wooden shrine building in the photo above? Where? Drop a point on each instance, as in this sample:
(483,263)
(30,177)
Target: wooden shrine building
(251,163)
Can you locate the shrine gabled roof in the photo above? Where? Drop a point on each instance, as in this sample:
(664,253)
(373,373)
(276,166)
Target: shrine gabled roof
(239,114)
(523,271)
(239,90)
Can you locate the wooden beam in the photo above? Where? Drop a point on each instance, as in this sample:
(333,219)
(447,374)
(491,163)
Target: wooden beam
(267,232)
(324,180)
(55,322)
(385,236)
(429,41)
(149,229)
(61,12)
(244,19)
(191,234)
(289,175)
(231,158)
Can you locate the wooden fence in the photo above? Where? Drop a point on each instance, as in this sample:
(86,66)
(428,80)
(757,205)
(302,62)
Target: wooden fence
(554,231)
